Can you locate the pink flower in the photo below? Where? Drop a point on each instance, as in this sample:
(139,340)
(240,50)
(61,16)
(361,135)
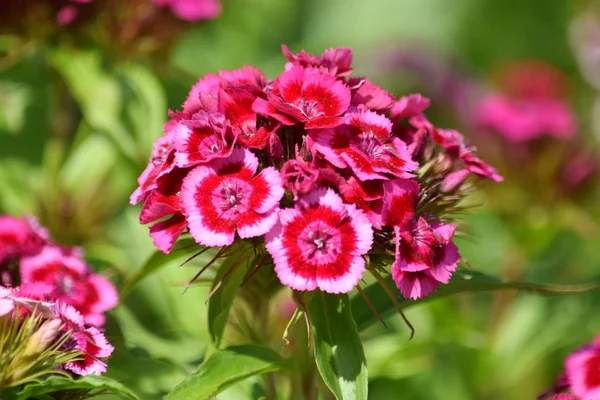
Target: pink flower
(305,95)
(583,372)
(409,106)
(192,10)
(336,62)
(399,202)
(478,167)
(320,243)
(530,104)
(366,147)
(366,195)
(71,282)
(299,176)
(165,201)
(425,257)
(204,94)
(519,120)
(225,196)
(201,139)
(162,162)
(369,95)
(19,237)
(90,342)
(67,15)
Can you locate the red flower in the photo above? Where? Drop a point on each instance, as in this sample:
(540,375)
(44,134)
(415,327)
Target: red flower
(224,197)
(366,147)
(306,95)
(336,62)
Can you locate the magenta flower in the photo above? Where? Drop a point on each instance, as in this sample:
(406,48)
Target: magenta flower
(20,237)
(320,243)
(519,120)
(305,95)
(583,372)
(425,257)
(192,10)
(366,146)
(409,106)
(162,162)
(201,139)
(531,104)
(369,95)
(225,196)
(90,342)
(335,62)
(71,282)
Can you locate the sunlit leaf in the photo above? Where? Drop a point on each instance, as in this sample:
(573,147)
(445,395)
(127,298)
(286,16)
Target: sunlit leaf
(338,349)
(90,382)
(225,368)
(228,279)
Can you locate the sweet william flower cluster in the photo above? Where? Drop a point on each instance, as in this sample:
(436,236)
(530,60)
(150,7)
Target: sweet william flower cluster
(51,284)
(331,170)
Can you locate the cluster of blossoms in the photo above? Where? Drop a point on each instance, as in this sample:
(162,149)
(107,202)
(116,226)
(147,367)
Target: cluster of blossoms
(581,378)
(331,170)
(61,328)
(531,104)
(28,256)
(186,10)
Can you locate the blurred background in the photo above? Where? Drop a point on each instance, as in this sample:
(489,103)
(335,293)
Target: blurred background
(85,87)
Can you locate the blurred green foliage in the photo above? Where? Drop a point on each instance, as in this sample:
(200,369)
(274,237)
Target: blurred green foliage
(77,125)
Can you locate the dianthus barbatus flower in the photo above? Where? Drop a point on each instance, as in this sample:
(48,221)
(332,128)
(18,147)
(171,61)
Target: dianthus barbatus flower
(19,237)
(366,146)
(306,95)
(320,243)
(225,196)
(330,169)
(583,371)
(71,282)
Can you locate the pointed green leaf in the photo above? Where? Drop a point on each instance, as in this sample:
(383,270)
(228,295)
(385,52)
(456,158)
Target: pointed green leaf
(229,281)
(225,368)
(184,249)
(338,349)
(462,282)
(91,382)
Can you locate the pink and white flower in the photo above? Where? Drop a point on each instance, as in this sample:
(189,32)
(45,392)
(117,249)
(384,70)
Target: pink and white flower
(583,371)
(305,95)
(201,139)
(425,257)
(71,282)
(226,196)
(320,243)
(366,146)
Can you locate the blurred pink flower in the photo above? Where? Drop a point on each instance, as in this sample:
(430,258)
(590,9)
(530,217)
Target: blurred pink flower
(583,372)
(192,10)
(71,281)
(530,104)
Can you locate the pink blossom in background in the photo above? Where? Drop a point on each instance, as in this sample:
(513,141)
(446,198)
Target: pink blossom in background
(19,237)
(59,319)
(71,281)
(530,104)
(320,243)
(67,15)
(192,10)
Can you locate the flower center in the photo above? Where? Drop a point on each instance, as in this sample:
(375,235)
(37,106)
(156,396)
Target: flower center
(65,285)
(369,145)
(230,198)
(308,108)
(319,243)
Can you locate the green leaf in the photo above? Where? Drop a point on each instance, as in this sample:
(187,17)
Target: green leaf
(462,282)
(225,368)
(91,382)
(338,349)
(184,249)
(229,281)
